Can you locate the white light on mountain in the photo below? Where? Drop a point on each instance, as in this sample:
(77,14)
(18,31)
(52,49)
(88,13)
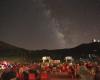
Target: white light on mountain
(98,41)
(94,40)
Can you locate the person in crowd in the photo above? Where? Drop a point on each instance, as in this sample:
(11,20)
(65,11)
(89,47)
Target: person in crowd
(97,74)
(10,75)
(83,71)
(25,75)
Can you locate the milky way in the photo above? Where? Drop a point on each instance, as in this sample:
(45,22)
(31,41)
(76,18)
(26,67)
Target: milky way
(56,27)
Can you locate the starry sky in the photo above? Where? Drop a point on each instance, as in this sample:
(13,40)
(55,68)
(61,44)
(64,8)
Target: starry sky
(49,24)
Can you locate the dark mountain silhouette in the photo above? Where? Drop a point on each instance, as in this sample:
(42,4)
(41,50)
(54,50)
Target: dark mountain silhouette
(8,50)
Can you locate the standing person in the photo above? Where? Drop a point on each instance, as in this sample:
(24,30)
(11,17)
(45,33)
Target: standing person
(19,73)
(72,71)
(97,75)
(77,69)
(83,72)
(25,75)
(11,75)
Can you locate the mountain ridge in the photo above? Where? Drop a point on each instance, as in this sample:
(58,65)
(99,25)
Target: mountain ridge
(7,49)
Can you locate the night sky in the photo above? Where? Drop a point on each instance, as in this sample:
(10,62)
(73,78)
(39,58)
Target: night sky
(49,24)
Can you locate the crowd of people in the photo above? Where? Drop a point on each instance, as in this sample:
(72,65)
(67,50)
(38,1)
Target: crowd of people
(84,70)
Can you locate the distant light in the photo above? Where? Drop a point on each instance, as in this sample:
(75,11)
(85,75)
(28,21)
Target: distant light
(94,40)
(68,57)
(98,41)
(44,58)
(89,55)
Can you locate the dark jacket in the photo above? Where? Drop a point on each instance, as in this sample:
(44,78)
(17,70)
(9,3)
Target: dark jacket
(97,76)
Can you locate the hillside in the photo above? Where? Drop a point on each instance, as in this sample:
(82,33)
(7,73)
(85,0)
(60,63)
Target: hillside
(7,50)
